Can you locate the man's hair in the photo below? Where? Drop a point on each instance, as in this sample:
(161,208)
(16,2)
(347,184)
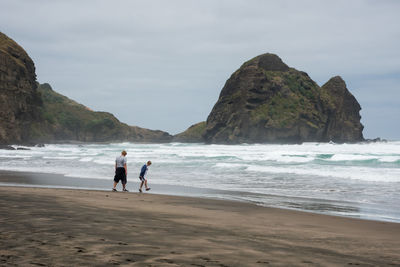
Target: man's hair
(149,162)
(123,152)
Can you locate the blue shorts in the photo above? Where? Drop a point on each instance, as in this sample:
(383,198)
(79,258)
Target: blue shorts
(142,178)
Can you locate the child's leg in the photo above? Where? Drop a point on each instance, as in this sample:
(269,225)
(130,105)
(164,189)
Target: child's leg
(145,183)
(141,184)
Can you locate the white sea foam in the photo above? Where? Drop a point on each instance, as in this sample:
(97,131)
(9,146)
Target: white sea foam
(231,165)
(104,161)
(364,174)
(351,157)
(15,156)
(389,159)
(294,159)
(61,157)
(86,159)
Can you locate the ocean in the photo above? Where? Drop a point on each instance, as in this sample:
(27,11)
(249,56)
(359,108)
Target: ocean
(354,180)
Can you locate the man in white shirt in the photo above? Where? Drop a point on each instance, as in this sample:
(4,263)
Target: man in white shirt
(121,171)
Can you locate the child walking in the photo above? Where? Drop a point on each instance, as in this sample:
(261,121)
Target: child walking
(142,176)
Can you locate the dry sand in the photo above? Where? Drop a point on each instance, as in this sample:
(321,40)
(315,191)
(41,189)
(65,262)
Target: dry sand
(58,227)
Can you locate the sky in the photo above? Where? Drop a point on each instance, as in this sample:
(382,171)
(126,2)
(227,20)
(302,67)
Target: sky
(162,64)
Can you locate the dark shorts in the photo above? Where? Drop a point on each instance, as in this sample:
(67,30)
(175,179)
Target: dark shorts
(120,175)
(142,178)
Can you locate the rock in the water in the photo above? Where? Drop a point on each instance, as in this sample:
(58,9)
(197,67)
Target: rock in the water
(23,148)
(6,147)
(265,101)
(343,112)
(375,140)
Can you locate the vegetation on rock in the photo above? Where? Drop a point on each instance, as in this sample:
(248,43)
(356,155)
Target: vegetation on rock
(65,119)
(194,134)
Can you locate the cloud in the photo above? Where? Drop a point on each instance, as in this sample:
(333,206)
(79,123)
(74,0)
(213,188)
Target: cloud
(161,64)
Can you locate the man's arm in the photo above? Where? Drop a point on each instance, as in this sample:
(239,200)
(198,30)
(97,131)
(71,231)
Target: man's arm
(126,169)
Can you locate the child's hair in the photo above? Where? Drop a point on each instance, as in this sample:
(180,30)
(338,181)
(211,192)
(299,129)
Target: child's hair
(149,162)
(123,152)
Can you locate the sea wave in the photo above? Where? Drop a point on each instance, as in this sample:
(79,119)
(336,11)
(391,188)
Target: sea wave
(363,174)
(352,157)
(360,173)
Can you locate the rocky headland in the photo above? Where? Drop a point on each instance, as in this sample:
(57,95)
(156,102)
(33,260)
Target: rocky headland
(34,113)
(266,101)
(19,98)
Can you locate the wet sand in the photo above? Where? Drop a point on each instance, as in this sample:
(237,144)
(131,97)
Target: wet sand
(61,227)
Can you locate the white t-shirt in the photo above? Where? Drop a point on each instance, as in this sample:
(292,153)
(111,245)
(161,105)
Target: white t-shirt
(120,161)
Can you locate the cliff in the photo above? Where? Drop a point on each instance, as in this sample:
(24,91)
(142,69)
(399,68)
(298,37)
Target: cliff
(31,113)
(342,111)
(19,99)
(65,119)
(266,101)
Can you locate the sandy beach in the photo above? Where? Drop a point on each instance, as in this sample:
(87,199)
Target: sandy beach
(60,227)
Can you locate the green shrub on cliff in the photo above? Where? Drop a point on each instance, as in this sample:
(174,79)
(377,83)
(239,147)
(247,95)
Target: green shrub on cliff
(65,119)
(194,134)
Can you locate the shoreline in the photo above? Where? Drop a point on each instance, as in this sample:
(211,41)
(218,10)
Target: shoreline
(41,226)
(59,181)
(76,142)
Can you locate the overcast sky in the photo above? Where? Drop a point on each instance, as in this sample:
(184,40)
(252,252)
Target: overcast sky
(162,64)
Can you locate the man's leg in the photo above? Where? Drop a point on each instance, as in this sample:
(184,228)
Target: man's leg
(124,181)
(115,184)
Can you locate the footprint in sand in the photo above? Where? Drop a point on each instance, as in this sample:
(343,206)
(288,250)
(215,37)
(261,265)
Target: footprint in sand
(38,263)
(165,260)
(80,250)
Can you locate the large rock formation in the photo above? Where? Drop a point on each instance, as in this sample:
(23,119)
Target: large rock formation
(19,99)
(342,111)
(265,101)
(31,113)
